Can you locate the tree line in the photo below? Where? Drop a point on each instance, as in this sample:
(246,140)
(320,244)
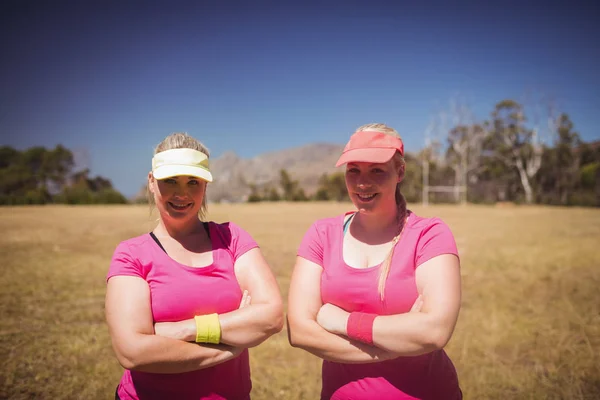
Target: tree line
(39,176)
(331,187)
(509,157)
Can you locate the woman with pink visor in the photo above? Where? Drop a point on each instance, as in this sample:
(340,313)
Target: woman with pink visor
(376,292)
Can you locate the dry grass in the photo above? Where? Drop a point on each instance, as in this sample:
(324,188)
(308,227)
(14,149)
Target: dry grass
(529,327)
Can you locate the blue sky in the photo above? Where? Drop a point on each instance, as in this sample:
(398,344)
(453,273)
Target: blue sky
(111,79)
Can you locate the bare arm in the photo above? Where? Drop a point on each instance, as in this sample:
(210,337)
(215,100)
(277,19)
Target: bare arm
(252,323)
(438,279)
(409,334)
(130,324)
(304,304)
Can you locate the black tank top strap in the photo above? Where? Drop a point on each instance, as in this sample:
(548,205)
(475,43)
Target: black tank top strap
(157,241)
(204,224)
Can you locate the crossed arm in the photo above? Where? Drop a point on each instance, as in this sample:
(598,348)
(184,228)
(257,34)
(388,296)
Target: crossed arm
(321,328)
(168,347)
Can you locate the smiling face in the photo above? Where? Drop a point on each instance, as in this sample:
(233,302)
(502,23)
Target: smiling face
(178,198)
(372,187)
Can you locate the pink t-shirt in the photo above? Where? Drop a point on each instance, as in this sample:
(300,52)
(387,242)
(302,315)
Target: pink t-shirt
(180,292)
(428,376)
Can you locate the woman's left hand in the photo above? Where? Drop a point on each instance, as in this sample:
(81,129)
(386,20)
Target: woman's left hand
(333,319)
(186,330)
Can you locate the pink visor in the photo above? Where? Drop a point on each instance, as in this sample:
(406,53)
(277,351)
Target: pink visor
(373,147)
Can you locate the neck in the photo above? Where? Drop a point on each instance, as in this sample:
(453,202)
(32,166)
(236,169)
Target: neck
(181,230)
(385,222)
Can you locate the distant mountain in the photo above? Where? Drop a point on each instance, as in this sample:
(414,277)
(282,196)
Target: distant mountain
(234,175)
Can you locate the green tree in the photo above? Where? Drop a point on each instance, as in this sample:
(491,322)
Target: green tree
(322,193)
(272,194)
(254,196)
(559,174)
(109,196)
(21,176)
(89,190)
(300,195)
(9,156)
(58,164)
(332,187)
(288,186)
(337,187)
(514,144)
(38,175)
(412,184)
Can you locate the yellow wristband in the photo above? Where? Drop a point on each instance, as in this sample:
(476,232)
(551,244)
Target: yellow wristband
(208,329)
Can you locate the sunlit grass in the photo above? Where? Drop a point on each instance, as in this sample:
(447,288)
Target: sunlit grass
(529,327)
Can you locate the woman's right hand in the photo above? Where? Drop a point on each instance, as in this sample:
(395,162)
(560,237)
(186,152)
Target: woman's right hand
(384,355)
(236,351)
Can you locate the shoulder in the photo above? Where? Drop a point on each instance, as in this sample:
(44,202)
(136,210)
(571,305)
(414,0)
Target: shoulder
(132,257)
(135,245)
(431,237)
(426,230)
(326,228)
(227,228)
(233,237)
(321,237)
(325,224)
(425,224)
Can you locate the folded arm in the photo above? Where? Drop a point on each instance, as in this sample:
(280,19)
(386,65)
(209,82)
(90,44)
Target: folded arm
(410,334)
(263,317)
(305,332)
(130,324)
(252,323)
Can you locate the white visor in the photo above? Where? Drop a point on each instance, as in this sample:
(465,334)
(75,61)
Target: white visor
(181,162)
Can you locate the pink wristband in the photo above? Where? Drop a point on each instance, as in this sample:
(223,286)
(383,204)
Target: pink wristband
(360,327)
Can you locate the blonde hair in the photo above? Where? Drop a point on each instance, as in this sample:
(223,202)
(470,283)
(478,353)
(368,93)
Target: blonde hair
(400,202)
(181,140)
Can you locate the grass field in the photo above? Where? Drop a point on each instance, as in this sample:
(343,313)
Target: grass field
(529,327)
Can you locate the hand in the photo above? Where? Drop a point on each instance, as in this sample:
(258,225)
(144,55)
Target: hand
(236,351)
(333,319)
(186,330)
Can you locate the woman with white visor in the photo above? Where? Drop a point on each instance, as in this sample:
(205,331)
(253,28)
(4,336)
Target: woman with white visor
(185,301)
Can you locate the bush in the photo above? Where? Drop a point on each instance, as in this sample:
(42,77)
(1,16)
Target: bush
(321,195)
(110,196)
(82,195)
(37,196)
(585,198)
(254,198)
(588,174)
